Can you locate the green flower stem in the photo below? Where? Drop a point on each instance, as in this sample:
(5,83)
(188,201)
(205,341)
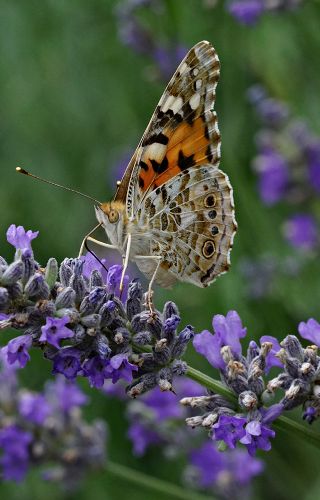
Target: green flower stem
(282,423)
(210,383)
(169,490)
(291,426)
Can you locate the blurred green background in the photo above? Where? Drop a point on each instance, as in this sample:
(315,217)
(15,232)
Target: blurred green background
(73,100)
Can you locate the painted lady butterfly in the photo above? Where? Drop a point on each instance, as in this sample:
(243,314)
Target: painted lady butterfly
(173,212)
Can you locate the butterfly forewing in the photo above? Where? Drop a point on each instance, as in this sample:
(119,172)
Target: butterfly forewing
(183,130)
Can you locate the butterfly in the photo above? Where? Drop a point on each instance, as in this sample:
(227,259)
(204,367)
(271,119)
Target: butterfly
(173,211)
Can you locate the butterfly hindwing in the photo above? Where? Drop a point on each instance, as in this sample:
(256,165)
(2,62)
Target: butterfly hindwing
(191,220)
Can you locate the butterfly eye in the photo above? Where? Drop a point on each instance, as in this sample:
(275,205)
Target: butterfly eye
(113,216)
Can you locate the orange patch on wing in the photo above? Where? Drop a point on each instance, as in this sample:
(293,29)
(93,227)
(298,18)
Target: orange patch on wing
(190,141)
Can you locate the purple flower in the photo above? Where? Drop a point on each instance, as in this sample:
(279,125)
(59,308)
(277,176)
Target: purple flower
(209,463)
(310,414)
(34,407)
(272,111)
(273,176)
(95,369)
(242,466)
(258,433)
(229,429)
(113,281)
(271,359)
(64,394)
(15,454)
(54,330)
(142,437)
(67,362)
(301,231)
(310,331)
(257,436)
(228,330)
(246,11)
(168,59)
(119,367)
(4,317)
(20,238)
(165,404)
(17,350)
(92,264)
(213,466)
(312,152)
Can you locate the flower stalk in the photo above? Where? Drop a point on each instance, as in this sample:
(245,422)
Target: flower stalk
(152,483)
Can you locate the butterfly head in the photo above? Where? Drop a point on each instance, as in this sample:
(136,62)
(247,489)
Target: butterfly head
(112,217)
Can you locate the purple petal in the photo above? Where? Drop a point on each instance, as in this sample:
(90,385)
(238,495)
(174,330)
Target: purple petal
(310,331)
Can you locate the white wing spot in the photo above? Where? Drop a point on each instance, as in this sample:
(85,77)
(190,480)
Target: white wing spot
(156,151)
(198,84)
(183,68)
(172,102)
(194,101)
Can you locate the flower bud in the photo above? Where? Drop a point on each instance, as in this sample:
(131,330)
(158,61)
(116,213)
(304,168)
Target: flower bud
(182,341)
(108,312)
(90,321)
(248,400)
(142,338)
(13,273)
(170,309)
(66,298)
(4,298)
(102,346)
(292,345)
(51,273)
(37,287)
(141,385)
(65,272)
(29,265)
(96,279)
(78,284)
(133,304)
(164,379)
(92,301)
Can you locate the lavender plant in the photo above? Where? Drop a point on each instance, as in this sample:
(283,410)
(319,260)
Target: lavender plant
(288,168)
(46,430)
(157,420)
(77,317)
(248,12)
(136,34)
(81,324)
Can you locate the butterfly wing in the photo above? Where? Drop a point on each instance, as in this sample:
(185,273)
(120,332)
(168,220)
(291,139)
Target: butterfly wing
(191,220)
(173,186)
(182,132)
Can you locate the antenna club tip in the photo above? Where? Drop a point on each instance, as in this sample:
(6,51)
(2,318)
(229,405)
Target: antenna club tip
(21,170)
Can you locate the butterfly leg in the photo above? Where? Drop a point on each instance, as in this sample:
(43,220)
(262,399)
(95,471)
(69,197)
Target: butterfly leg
(125,262)
(88,237)
(157,258)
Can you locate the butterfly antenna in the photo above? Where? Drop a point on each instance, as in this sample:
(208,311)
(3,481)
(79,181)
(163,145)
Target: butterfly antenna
(28,174)
(94,255)
(84,244)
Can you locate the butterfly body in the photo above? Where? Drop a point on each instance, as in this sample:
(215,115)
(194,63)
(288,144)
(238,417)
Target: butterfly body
(173,212)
